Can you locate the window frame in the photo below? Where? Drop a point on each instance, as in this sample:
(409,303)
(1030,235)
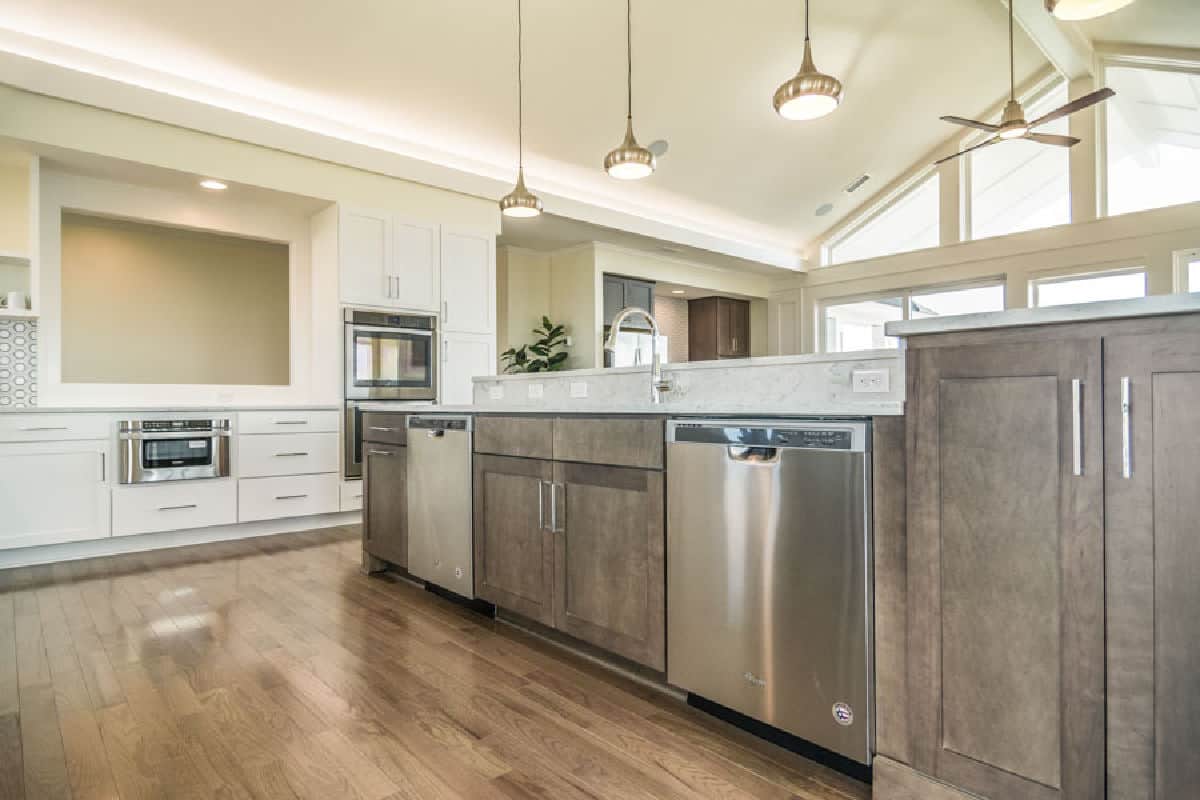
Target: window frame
(874,211)
(1181,260)
(1067,275)
(905,294)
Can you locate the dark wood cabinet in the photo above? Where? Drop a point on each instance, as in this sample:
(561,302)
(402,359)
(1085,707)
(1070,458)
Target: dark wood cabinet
(620,292)
(514,545)
(610,569)
(1005,560)
(385,504)
(718,327)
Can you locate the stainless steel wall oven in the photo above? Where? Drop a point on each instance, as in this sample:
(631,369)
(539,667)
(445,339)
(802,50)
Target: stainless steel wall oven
(154,450)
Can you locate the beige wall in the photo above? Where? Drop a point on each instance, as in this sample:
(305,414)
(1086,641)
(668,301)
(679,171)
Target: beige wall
(149,304)
(522,295)
(14,203)
(576,301)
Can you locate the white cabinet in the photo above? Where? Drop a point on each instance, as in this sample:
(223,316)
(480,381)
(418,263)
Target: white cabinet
(352,495)
(290,496)
(53,426)
(53,492)
(468,282)
(174,506)
(287,454)
(387,261)
(284,421)
(465,356)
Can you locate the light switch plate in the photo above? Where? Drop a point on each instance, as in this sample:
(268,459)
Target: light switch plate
(876,381)
(579,389)
(536,391)
(496,392)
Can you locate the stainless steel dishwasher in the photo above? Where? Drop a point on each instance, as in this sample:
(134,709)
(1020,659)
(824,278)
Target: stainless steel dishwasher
(768,574)
(440,501)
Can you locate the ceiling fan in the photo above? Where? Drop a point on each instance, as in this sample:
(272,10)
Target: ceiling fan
(1013,124)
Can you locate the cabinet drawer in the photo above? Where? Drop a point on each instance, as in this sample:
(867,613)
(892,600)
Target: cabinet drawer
(290,454)
(634,442)
(289,421)
(290,496)
(384,428)
(525,437)
(352,496)
(51,427)
(173,506)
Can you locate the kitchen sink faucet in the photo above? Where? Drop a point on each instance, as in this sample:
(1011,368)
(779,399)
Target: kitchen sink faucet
(658,384)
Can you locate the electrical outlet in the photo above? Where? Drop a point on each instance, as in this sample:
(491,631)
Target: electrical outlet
(496,392)
(579,389)
(536,391)
(870,380)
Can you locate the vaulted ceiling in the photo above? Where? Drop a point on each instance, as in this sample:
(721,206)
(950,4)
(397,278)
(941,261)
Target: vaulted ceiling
(437,80)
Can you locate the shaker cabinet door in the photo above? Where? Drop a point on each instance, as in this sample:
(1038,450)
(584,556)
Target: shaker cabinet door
(385,504)
(365,257)
(1005,559)
(1152,506)
(514,549)
(468,282)
(610,568)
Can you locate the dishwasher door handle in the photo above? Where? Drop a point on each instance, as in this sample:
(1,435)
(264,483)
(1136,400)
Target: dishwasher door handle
(753,455)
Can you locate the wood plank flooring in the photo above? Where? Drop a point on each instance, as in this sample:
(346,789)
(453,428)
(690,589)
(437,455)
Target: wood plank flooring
(272,668)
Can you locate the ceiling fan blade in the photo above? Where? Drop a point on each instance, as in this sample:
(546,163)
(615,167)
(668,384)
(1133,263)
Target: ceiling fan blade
(971,123)
(1050,138)
(1078,104)
(991,141)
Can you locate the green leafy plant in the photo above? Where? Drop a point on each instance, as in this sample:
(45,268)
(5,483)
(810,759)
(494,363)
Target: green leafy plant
(546,354)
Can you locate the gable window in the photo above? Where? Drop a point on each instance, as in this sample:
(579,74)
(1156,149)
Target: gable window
(909,222)
(1020,185)
(1153,138)
(859,324)
(1087,288)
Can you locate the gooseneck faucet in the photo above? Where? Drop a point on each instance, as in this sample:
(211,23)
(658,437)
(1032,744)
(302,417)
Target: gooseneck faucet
(658,384)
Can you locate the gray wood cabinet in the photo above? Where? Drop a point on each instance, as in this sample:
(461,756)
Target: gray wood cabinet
(514,546)
(610,566)
(1152,506)
(622,292)
(385,503)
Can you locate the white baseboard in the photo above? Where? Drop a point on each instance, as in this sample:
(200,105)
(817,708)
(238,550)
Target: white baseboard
(115,545)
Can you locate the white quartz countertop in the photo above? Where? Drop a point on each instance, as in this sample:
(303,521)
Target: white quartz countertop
(1158,305)
(158,409)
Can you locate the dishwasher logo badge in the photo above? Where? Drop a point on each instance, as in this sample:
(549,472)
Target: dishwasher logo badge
(843,714)
(754,680)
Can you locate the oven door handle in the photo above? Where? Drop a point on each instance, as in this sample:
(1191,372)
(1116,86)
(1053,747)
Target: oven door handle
(355,329)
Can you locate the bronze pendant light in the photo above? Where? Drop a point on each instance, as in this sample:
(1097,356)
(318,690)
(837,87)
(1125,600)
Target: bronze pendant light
(520,202)
(630,161)
(810,93)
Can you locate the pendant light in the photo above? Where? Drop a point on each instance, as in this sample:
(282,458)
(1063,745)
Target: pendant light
(1083,9)
(630,161)
(520,202)
(810,93)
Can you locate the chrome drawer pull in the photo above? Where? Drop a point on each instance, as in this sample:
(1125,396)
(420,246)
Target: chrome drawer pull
(1076,426)
(291,422)
(1126,429)
(177,508)
(288,455)
(289,496)
(541,505)
(379,452)
(46,428)
(385,430)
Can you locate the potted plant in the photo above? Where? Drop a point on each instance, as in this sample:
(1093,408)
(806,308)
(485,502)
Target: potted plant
(547,354)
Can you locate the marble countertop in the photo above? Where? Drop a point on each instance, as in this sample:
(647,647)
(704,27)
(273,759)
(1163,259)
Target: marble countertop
(665,410)
(1158,305)
(158,409)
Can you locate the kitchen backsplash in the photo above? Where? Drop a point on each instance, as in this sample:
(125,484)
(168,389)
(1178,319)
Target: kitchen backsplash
(18,363)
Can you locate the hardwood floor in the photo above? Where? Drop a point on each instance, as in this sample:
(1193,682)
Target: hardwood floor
(272,668)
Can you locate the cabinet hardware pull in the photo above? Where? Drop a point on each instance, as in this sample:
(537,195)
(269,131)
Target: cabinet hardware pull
(541,505)
(1076,425)
(384,430)
(445,311)
(1126,429)
(288,455)
(291,422)
(379,452)
(553,508)
(290,496)
(177,508)
(46,428)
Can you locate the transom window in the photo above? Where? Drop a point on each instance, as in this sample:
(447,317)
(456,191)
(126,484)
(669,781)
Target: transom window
(859,324)
(909,222)
(1087,288)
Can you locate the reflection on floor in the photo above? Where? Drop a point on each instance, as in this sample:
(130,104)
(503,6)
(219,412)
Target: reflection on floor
(273,668)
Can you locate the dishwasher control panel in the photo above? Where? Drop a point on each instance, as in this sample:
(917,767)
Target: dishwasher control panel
(813,438)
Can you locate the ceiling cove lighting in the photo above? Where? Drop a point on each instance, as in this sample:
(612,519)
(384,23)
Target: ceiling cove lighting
(810,93)
(630,161)
(520,202)
(213,185)
(1084,9)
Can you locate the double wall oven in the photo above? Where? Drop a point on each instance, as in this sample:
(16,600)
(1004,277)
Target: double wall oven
(388,357)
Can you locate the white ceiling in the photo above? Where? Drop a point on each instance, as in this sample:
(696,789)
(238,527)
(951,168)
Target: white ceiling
(438,79)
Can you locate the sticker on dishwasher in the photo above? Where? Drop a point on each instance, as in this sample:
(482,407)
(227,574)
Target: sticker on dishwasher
(843,714)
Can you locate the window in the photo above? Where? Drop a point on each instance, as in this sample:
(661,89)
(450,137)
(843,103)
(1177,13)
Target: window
(1020,186)
(1153,138)
(910,222)
(859,324)
(1088,288)
(1193,275)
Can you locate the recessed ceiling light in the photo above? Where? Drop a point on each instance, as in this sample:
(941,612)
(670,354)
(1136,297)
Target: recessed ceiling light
(213,185)
(678,291)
